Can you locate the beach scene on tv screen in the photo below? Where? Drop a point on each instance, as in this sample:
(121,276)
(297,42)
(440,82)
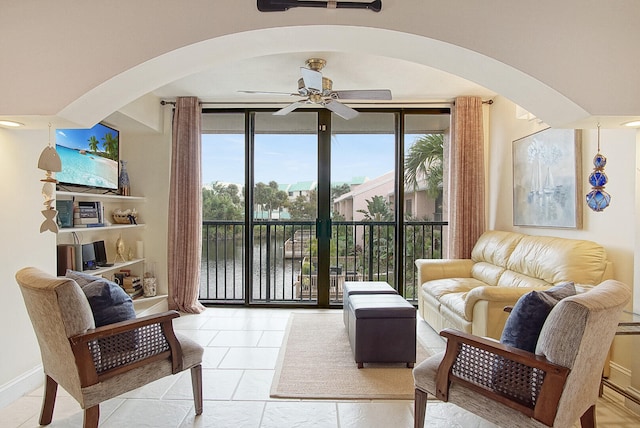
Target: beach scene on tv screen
(89,156)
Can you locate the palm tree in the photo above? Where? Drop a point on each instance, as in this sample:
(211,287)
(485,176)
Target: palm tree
(378,209)
(110,145)
(425,162)
(93,143)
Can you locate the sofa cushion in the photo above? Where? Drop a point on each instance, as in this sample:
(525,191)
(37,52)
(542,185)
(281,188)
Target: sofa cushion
(441,287)
(486,272)
(513,279)
(455,303)
(495,247)
(528,315)
(555,260)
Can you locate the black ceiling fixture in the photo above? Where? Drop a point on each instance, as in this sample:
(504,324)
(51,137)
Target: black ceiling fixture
(282,5)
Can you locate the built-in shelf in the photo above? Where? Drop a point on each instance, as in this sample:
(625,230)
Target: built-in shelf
(131,232)
(150,305)
(116,266)
(100,196)
(103,197)
(87,229)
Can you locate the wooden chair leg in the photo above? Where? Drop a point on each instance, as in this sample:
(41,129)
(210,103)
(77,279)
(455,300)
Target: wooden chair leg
(91,417)
(196,385)
(588,419)
(419,408)
(48,401)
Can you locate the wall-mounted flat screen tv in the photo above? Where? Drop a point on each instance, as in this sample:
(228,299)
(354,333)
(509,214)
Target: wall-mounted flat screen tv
(89,157)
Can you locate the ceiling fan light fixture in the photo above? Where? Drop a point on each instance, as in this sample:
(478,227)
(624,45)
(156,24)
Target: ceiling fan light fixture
(319,90)
(632,124)
(316,64)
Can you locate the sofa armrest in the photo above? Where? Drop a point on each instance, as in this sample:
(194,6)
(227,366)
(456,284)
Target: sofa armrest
(430,269)
(507,296)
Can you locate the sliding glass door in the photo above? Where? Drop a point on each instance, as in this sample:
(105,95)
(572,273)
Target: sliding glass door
(296,205)
(285,207)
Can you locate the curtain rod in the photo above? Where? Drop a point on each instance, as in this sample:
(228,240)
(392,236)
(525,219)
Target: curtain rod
(202,103)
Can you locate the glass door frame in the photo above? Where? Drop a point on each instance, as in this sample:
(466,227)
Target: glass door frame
(323,221)
(324,210)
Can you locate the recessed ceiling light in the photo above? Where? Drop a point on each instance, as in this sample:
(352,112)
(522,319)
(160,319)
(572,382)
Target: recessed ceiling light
(11,123)
(632,124)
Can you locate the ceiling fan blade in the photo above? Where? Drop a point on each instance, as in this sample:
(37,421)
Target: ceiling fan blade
(341,110)
(288,109)
(312,79)
(269,92)
(364,94)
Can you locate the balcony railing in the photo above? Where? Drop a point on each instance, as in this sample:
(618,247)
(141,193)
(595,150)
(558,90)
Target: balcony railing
(284,259)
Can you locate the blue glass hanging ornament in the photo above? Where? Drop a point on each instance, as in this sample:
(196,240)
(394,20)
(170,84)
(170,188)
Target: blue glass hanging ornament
(597,198)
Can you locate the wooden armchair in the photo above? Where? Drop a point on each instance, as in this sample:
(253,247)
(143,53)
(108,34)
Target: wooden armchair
(96,364)
(556,386)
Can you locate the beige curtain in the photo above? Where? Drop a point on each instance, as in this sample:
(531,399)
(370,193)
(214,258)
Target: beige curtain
(185,208)
(466,175)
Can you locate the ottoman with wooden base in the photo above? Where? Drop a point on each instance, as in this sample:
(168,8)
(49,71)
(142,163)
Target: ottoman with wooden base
(382,329)
(351,288)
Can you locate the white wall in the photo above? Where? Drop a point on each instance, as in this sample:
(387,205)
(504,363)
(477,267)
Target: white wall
(22,245)
(614,228)
(149,167)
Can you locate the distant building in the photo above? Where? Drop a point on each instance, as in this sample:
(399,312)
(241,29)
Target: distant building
(301,188)
(416,202)
(348,204)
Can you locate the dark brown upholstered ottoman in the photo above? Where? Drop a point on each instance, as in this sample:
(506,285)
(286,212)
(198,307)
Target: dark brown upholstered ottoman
(351,288)
(382,329)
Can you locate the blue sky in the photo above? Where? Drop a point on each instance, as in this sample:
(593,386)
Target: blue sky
(289,158)
(79,138)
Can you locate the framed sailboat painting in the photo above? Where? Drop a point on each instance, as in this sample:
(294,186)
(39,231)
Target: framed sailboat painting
(546,186)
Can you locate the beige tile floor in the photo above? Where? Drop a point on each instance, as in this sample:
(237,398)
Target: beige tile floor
(240,356)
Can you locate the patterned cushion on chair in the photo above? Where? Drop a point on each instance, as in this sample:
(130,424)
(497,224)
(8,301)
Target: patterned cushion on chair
(109,302)
(528,315)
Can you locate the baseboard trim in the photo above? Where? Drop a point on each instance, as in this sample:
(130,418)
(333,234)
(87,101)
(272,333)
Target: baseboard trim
(619,375)
(22,385)
(621,378)
(630,403)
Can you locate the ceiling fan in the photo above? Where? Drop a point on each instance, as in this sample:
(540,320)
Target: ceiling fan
(317,89)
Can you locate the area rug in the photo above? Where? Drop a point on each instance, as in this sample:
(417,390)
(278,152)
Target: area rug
(316,361)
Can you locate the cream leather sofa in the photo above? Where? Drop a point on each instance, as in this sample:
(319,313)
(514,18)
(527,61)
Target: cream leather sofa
(470,294)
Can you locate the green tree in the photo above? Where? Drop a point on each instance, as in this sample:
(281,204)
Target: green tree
(339,190)
(110,145)
(425,161)
(93,143)
(378,209)
(222,202)
(304,207)
(269,197)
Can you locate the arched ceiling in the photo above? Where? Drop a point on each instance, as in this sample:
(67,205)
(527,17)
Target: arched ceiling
(564,62)
(415,68)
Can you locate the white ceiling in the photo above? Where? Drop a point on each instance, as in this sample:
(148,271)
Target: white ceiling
(538,57)
(409,82)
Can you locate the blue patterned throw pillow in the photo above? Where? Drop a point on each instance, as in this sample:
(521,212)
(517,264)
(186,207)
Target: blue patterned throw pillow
(528,315)
(109,302)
